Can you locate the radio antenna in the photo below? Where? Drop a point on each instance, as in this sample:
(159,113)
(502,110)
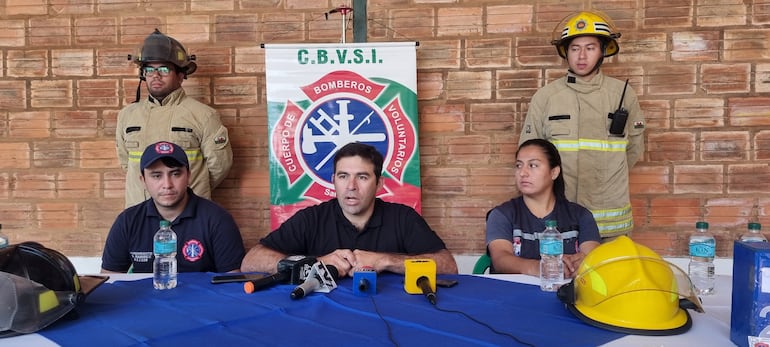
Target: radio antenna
(623,96)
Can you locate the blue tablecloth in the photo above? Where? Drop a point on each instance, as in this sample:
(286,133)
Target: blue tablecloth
(132,313)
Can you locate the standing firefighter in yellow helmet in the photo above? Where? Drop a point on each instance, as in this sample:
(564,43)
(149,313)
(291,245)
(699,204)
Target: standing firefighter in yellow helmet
(168,114)
(594,120)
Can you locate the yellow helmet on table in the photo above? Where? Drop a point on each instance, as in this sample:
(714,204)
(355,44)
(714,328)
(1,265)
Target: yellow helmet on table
(626,287)
(586,23)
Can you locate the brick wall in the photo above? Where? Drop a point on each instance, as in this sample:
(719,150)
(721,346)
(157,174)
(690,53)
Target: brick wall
(700,68)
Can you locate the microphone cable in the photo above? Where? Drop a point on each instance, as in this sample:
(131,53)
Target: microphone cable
(501,333)
(486,325)
(387,325)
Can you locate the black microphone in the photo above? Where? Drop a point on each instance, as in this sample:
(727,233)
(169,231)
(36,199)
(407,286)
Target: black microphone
(292,269)
(298,265)
(320,277)
(424,284)
(255,285)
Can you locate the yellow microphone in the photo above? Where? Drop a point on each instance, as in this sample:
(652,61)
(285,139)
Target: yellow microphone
(420,278)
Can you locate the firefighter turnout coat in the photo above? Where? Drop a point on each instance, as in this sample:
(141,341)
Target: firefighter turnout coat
(574,115)
(185,121)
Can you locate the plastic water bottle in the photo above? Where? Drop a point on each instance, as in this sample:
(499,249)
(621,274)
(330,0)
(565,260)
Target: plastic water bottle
(164,249)
(3,238)
(551,251)
(753,234)
(702,249)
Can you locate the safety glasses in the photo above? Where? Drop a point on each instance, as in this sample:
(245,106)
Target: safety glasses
(151,71)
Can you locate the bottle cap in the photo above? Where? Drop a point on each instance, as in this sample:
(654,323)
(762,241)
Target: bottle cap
(755,226)
(164,223)
(550,223)
(701,225)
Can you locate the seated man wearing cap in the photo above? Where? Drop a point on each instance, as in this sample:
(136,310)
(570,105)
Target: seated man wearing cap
(208,238)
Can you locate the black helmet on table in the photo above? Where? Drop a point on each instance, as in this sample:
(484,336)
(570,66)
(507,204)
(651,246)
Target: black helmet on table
(158,48)
(38,286)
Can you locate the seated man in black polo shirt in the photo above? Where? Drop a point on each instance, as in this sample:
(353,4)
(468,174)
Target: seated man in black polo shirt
(208,238)
(356,229)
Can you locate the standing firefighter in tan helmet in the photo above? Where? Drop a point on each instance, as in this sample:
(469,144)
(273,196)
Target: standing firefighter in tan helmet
(168,114)
(593,119)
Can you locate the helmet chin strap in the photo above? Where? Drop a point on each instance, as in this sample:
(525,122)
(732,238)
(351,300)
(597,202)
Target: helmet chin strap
(597,66)
(138,88)
(601,59)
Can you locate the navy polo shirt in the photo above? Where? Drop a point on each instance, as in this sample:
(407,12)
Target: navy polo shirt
(319,230)
(208,239)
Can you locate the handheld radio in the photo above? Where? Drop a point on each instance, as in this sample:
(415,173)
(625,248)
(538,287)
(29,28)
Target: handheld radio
(619,117)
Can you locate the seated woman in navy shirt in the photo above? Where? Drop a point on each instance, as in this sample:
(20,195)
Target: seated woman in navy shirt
(512,227)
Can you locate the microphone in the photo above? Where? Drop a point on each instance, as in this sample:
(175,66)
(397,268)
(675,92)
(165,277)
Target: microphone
(292,269)
(320,279)
(365,281)
(298,265)
(255,285)
(424,284)
(420,278)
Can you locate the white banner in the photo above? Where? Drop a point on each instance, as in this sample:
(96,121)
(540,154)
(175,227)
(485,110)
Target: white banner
(323,96)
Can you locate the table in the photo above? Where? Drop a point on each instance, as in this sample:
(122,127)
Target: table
(711,328)
(130,312)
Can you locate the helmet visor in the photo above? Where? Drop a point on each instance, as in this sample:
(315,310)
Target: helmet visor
(27,306)
(641,278)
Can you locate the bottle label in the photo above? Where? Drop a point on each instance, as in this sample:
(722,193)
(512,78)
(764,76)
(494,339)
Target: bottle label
(551,247)
(702,249)
(160,247)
